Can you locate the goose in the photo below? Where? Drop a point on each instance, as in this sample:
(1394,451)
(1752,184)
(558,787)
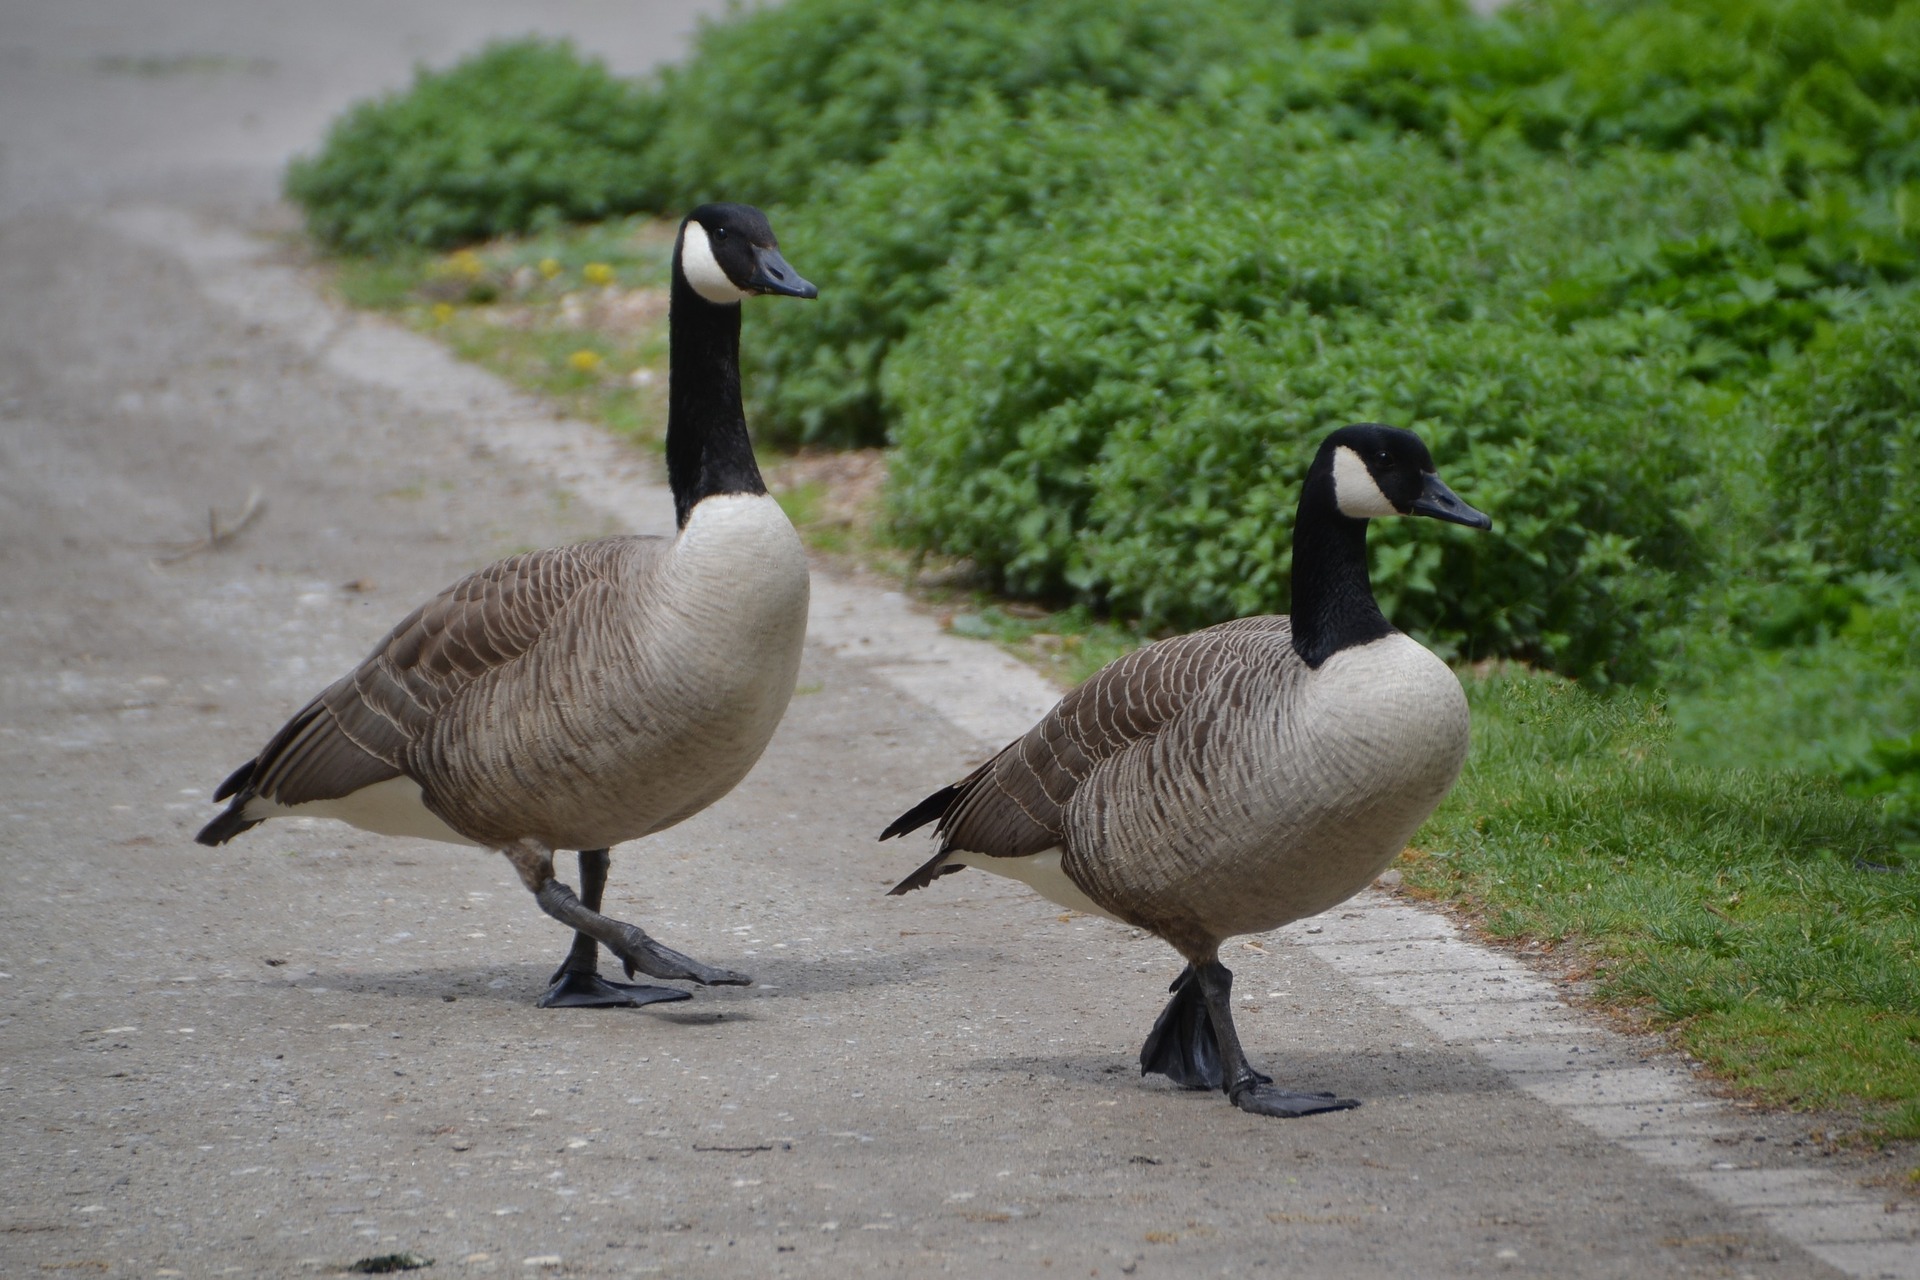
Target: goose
(578,697)
(1232,780)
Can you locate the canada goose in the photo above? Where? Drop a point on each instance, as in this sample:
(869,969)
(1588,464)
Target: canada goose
(1238,778)
(581,696)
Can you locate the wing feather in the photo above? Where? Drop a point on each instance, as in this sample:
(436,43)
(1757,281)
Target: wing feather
(363,728)
(1016,804)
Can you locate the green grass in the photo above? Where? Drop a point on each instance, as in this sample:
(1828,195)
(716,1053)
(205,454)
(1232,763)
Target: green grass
(1763,917)
(528,308)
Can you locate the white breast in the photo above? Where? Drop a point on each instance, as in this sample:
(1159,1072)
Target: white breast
(722,637)
(1373,741)
(1391,703)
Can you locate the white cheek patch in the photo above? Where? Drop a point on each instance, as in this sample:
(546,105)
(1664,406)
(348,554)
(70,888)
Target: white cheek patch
(702,269)
(1355,491)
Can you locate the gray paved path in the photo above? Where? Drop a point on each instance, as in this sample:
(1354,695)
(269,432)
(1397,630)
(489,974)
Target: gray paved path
(315,1045)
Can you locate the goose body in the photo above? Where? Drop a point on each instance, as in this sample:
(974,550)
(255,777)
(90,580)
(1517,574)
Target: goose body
(579,697)
(654,674)
(1238,778)
(1322,783)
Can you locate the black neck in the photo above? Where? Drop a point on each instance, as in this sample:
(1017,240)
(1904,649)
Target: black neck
(708,451)
(1333,605)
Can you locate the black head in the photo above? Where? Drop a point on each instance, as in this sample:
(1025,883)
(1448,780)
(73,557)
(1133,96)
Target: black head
(1374,470)
(727,252)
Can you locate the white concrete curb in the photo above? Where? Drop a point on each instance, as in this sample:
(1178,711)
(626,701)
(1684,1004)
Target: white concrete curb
(1412,959)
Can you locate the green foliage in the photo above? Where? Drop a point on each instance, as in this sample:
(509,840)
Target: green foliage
(1815,86)
(1845,464)
(1762,911)
(1125,412)
(774,100)
(1808,666)
(524,135)
(1890,775)
(960,198)
(1755,289)
(1807,655)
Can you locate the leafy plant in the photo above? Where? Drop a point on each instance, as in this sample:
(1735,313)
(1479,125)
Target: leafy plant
(1814,86)
(524,135)
(960,198)
(774,101)
(1845,462)
(1124,413)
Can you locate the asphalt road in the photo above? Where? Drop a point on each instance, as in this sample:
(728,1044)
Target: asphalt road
(314,1045)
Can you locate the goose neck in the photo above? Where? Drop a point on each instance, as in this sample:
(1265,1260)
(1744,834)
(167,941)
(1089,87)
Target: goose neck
(1333,605)
(708,449)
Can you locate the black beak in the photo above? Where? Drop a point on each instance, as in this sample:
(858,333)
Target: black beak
(1442,503)
(771,274)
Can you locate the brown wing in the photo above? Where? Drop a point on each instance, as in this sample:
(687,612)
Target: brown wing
(360,729)
(1015,804)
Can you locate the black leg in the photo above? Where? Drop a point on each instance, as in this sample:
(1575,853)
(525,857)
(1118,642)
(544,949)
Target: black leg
(636,950)
(577,982)
(1248,1089)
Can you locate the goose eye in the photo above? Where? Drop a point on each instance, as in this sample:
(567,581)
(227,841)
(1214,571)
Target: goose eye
(719,233)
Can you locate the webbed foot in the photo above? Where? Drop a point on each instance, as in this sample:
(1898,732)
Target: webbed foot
(1265,1100)
(1195,1043)
(1182,1045)
(574,990)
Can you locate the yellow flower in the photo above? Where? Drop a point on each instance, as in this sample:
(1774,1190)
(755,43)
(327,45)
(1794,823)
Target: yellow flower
(597,273)
(549,267)
(585,361)
(467,263)
(442,312)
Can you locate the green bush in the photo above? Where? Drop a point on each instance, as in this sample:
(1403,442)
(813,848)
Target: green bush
(962,201)
(775,99)
(1806,654)
(520,136)
(1845,465)
(1753,284)
(1817,86)
(1126,412)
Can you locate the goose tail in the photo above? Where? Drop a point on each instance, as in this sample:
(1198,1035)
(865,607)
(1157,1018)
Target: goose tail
(934,806)
(229,824)
(233,821)
(929,871)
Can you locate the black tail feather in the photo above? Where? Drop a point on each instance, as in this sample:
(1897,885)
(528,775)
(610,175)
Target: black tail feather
(934,806)
(237,779)
(229,824)
(1182,1046)
(930,870)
